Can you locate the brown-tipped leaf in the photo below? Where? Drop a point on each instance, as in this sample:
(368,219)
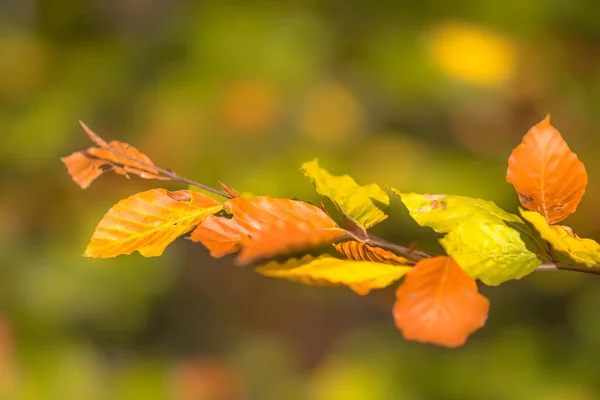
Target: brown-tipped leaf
(360,251)
(263,227)
(148,222)
(438,303)
(547,175)
(85,166)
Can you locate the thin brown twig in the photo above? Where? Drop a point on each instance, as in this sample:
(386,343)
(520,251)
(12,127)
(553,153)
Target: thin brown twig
(417,255)
(174,176)
(370,240)
(558,267)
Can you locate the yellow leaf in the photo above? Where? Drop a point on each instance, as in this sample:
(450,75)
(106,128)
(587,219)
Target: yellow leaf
(562,238)
(361,276)
(148,222)
(362,204)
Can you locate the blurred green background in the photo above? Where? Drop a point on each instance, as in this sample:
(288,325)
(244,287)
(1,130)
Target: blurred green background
(428,96)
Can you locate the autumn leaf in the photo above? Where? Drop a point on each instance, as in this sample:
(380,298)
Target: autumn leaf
(360,276)
(360,251)
(361,204)
(443,212)
(148,222)
(263,227)
(439,303)
(85,166)
(491,252)
(562,239)
(222,236)
(547,175)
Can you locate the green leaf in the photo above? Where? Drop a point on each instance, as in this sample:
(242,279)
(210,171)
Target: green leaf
(361,276)
(491,252)
(562,239)
(443,213)
(362,204)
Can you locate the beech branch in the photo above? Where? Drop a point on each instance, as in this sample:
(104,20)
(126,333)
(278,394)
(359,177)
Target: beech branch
(353,231)
(415,254)
(420,255)
(166,172)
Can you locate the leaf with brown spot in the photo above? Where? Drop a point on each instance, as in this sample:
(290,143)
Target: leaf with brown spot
(85,166)
(547,175)
(263,227)
(148,222)
(439,303)
(360,251)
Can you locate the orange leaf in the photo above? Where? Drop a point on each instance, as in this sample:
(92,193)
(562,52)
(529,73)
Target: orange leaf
(438,303)
(264,226)
(148,222)
(85,166)
(547,175)
(360,251)
(222,236)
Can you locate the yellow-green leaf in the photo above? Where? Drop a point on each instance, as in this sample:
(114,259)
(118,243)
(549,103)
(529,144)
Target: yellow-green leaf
(361,276)
(491,252)
(148,222)
(443,212)
(562,239)
(362,204)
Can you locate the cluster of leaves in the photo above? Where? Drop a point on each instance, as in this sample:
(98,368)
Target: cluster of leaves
(438,302)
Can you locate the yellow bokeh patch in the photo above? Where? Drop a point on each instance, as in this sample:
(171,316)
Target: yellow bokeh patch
(471,54)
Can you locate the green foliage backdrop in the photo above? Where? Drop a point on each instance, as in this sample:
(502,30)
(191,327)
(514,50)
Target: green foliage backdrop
(427,97)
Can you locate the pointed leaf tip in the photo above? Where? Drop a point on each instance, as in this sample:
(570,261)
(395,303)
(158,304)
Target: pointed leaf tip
(122,158)
(361,204)
(548,177)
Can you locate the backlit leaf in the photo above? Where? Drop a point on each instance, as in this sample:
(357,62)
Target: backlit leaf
(263,227)
(361,204)
(547,175)
(222,236)
(491,252)
(148,222)
(85,166)
(443,213)
(360,276)
(439,303)
(360,251)
(562,239)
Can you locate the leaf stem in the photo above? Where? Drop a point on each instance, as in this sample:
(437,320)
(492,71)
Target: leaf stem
(420,255)
(417,255)
(171,174)
(558,267)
